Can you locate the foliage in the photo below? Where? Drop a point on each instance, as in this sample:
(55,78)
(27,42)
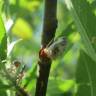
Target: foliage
(21,22)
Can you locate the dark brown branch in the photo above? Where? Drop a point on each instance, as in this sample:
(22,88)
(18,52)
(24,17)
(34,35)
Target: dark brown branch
(49,29)
(50,21)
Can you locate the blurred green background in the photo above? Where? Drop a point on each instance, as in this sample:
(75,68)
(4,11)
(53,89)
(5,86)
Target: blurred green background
(23,19)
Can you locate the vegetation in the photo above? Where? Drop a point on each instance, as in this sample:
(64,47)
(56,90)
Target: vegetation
(23,25)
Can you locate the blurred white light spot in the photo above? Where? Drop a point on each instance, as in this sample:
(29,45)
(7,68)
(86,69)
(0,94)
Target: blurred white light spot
(69,4)
(8,24)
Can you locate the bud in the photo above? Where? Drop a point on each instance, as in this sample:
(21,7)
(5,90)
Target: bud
(17,63)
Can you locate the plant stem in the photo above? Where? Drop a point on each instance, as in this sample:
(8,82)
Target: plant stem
(49,29)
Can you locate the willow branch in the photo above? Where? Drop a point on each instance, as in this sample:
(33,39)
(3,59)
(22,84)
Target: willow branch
(49,29)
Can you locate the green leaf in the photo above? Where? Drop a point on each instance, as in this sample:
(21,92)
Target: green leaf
(86,76)
(60,86)
(2,29)
(30,76)
(3,93)
(1,3)
(85,21)
(22,29)
(11,46)
(4,87)
(3,41)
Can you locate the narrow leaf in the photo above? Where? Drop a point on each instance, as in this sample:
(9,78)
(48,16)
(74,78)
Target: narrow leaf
(86,76)
(3,41)
(11,46)
(85,21)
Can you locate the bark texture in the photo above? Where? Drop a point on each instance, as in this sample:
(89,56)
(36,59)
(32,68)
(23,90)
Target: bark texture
(49,29)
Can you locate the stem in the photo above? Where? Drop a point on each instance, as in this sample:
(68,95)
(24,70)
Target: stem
(49,29)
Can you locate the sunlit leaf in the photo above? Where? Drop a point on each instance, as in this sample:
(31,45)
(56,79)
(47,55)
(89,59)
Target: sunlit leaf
(60,86)
(2,29)
(22,29)
(1,5)
(3,41)
(67,85)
